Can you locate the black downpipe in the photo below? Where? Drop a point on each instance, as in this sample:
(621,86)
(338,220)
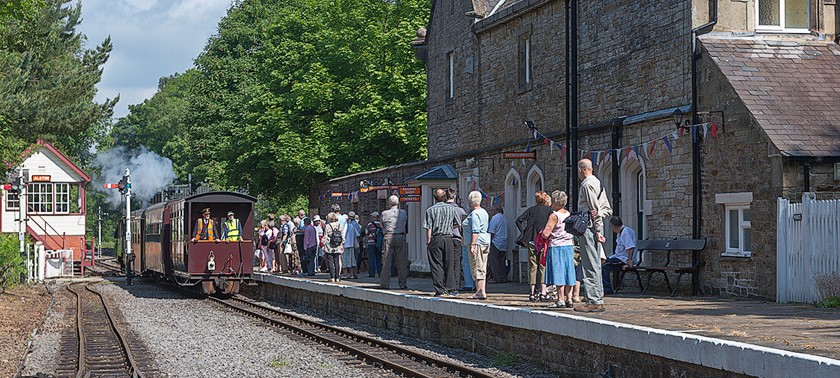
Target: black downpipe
(696,192)
(568,102)
(807,169)
(573,97)
(616,145)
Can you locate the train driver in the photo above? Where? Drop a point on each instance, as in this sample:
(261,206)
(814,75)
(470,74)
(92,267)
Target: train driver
(205,228)
(231,229)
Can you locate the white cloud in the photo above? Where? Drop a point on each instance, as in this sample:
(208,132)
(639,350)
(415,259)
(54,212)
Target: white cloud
(151,39)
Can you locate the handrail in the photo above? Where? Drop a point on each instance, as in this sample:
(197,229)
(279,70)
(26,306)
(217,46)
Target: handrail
(61,239)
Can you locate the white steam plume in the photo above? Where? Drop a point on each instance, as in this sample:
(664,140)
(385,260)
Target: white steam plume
(150,173)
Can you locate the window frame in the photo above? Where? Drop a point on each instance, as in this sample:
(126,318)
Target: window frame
(742,225)
(7,200)
(524,71)
(781,28)
(56,202)
(43,199)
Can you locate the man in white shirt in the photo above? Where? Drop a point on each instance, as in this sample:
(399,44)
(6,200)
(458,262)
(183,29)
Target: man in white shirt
(625,247)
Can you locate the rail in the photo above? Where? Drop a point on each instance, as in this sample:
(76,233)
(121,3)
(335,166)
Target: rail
(367,349)
(103,350)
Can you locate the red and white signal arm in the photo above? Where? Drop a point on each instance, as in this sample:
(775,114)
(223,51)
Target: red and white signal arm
(112,186)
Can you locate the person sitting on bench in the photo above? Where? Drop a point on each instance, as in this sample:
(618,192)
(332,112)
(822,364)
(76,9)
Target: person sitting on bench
(625,246)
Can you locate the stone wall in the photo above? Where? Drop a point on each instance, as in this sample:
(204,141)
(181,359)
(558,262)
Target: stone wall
(741,159)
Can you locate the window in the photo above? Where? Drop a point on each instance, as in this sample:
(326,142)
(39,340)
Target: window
(12,201)
(40,198)
(450,58)
(783,15)
(738,230)
(62,198)
(524,65)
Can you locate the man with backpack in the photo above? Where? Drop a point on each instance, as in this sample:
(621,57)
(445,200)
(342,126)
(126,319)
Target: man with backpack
(373,244)
(592,199)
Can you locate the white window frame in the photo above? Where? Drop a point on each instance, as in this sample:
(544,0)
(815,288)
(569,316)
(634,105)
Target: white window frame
(535,182)
(781,28)
(12,201)
(743,225)
(39,201)
(450,58)
(66,203)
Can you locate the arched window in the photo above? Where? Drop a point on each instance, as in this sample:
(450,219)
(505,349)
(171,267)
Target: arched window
(535,184)
(633,194)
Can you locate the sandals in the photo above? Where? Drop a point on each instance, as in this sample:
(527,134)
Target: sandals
(545,298)
(532,297)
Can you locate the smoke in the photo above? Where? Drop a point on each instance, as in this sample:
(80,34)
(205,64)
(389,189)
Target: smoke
(150,173)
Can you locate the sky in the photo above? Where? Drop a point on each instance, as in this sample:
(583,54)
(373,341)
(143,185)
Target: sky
(151,39)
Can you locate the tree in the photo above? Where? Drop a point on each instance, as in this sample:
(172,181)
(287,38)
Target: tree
(288,94)
(48,83)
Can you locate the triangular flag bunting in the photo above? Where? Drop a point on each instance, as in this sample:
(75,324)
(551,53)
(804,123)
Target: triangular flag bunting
(667,143)
(705,129)
(627,153)
(652,146)
(676,135)
(636,151)
(714,130)
(694,134)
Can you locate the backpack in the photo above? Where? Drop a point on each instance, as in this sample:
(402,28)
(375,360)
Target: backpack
(264,239)
(335,237)
(379,237)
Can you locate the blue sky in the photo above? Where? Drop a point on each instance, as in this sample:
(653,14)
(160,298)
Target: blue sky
(151,38)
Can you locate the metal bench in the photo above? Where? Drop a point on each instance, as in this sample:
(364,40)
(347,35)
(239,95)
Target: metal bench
(669,247)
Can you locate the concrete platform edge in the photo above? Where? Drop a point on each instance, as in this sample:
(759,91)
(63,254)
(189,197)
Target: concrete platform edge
(710,352)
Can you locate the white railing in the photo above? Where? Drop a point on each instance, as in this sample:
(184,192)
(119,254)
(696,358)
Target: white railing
(807,243)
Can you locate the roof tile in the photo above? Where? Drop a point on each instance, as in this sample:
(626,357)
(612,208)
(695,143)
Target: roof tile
(788,86)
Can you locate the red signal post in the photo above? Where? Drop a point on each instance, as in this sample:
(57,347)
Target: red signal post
(7,187)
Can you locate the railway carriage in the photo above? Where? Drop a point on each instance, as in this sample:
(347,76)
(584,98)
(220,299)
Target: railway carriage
(161,242)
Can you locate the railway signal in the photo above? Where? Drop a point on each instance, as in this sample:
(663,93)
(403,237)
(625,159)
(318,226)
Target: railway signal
(15,187)
(125,188)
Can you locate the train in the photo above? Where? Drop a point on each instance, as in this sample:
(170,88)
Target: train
(162,247)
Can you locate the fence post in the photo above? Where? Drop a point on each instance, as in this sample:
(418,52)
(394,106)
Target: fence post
(808,202)
(781,250)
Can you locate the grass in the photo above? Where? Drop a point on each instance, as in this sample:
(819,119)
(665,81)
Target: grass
(832,302)
(279,363)
(504,359)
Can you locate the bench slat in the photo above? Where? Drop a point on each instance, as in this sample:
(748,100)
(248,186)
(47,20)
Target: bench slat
(671,245)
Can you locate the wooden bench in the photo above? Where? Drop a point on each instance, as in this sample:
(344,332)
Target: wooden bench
(670,248)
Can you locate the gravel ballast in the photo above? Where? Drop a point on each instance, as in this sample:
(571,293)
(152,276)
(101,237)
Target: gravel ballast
(194,338)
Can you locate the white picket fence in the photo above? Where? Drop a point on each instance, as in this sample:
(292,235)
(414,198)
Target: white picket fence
(807,243)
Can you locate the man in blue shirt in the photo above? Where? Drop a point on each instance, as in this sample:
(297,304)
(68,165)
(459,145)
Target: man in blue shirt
(498,248)
(625,246)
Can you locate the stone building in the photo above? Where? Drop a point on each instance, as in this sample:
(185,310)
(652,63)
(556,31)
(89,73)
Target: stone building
(767,74)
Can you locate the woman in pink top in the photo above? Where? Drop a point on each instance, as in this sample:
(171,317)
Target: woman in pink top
(559,261)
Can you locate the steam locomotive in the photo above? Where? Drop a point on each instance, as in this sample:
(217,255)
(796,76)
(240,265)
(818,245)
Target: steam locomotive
(161,243)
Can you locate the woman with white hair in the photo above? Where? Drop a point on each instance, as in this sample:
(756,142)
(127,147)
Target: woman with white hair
(559,260)
(474,229)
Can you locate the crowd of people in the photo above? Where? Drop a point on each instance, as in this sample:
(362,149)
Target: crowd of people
(466,250)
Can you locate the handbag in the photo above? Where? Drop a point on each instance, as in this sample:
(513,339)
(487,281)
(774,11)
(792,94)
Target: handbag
(287,249)
(577,223)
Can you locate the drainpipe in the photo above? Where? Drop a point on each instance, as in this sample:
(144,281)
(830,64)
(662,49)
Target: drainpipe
(573,95)
(696,192)
(569,160)
(807,169)
(616,187)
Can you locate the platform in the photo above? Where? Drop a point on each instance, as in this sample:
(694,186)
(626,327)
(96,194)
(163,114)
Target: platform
(709,336)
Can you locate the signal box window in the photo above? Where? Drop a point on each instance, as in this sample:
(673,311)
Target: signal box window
(12,201)
(40,198)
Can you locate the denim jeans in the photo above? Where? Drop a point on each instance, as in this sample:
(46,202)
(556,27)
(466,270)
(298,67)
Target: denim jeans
(374,260)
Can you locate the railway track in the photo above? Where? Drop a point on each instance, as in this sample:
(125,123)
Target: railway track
(400,360)
(97,347)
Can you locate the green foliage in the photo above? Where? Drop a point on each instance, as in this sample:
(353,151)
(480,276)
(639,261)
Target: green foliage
(47,81)
(288,94)
(832,302)
(504,359)
(11,263)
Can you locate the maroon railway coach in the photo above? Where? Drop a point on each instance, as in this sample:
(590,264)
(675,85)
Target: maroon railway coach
(161,236)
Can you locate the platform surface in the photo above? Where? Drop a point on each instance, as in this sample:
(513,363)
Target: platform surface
(797,328)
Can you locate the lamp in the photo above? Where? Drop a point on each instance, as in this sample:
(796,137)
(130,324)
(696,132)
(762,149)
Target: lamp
(678,114)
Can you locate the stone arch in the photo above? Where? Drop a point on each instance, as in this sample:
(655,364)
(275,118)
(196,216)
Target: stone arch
(535,183)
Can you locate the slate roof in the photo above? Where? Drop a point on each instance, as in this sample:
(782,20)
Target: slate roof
(790,87)
(441,172)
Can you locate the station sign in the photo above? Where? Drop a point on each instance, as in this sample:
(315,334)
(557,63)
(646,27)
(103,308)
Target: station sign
(520,155)
(410,191)
(410,199)
(41,178)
